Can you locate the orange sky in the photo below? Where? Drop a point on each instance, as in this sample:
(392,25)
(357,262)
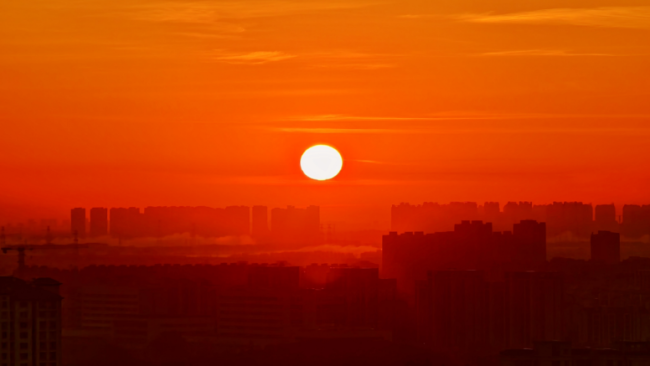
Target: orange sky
(144,102)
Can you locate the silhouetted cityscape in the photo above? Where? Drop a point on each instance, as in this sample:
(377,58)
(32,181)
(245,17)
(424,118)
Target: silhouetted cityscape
(452,284)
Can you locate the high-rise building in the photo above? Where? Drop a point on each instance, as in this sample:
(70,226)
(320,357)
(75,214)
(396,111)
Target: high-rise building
(146,309)
(295,225)
(636,221)
(98,221)
(458,309)
(431,217)
(125,222)
(260,229)
(534,307)
(492,212)
(31,322)
(606,247)
(530,238)
(238,220)
(574,217)
(78,221)
(409,256)
(515,212)
(559,352)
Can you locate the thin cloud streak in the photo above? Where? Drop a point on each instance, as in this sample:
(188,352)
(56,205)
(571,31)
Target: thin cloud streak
(356,66)
(604,17)
(452,131)
(198,12)
(453,116)
(338,130)
(542,53)
(259,57)
(338,117)
(352,60)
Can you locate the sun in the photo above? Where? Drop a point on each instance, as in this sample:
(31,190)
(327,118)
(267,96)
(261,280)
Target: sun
(321,162)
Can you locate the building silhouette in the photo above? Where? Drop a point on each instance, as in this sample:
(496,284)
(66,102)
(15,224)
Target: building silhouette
(535,307)
(472,245)
(98,222)
(565,217)
(260,223)
(561,217)
(295,225)
(518,211)
(530,239)
(636,221)
(146,309)
(558,352)
(430,216)
(606,247)
(453,310)
(156,222)
(605,218)
(31,322)
(466,311)
(125,222)
(78,221)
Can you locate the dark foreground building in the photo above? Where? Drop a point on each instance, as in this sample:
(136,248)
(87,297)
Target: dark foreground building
(606,247)
(30,319)
(558,353)
(409,256)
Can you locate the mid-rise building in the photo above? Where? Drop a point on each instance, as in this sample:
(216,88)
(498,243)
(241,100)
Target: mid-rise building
(606,247)
(557,352)
(296,226)
(605,218)
(260,222)
(98,221)
(534,307)
(530,238)
(636,221)
(467,311)
(472,245)
(78,221)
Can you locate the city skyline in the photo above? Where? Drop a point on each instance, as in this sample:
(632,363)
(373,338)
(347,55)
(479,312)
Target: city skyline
(324,182)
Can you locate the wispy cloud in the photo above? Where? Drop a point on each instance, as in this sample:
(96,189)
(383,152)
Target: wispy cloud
(370,161)
(254,58)
(326,130)
(343,118)
(422,16)
(356,66)
(550,53)
(446,123)
(447,130)
(205,12)
(609,17)
(351,60)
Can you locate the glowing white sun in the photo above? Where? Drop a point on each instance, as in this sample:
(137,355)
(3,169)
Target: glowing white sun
(321,162)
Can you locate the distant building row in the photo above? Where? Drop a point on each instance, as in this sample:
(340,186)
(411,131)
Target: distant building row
(287,225)
(561,217)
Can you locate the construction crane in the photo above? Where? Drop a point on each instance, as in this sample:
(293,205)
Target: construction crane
(21,254)
(21,249)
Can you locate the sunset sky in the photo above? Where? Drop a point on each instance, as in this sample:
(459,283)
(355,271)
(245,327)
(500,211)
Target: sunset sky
(142,102)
